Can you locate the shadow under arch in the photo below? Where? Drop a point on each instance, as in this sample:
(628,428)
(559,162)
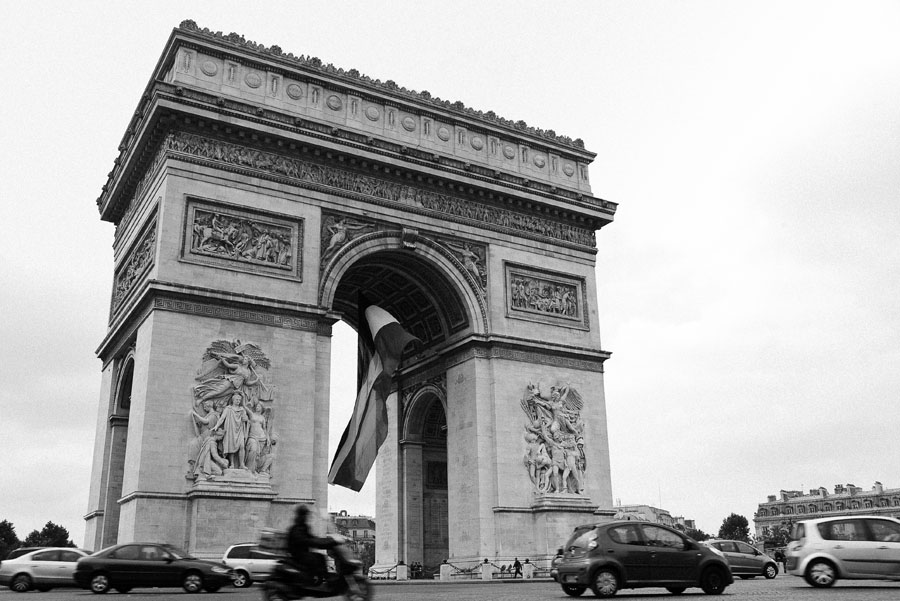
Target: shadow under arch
(421,284)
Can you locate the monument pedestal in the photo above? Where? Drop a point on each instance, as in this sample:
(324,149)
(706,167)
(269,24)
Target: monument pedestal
(228,509)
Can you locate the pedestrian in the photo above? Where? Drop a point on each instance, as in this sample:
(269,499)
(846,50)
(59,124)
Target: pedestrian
(517,568)
(780,558)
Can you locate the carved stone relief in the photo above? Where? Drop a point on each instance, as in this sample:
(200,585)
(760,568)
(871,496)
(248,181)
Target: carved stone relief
(243,239)
(231,416)
(350,181)
(554,439)
(472,257)
(337,231)
(538,295)
(138,262)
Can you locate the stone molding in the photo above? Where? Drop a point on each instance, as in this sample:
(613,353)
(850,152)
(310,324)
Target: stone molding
(166,303)
(332,180)
(355,77)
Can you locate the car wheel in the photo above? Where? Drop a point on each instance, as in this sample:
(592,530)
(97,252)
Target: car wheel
(675,590)
(574,590)
(21,583)
(820,573)
(606,583)
(193,582)
(771,571)
(241,579)
(99,583)
(713,581)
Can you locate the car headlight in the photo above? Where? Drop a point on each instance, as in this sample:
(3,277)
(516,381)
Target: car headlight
(219,570)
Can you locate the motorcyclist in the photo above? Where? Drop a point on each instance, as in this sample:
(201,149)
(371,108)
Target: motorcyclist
(301,540)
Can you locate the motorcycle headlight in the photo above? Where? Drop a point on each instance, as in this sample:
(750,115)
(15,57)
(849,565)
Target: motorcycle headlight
(219,570)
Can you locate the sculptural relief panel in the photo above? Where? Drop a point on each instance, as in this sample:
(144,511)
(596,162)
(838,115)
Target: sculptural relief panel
(235,238)
(554,439)
(550,297)
(136,264)
(471,256)
(338,231)
(231,415)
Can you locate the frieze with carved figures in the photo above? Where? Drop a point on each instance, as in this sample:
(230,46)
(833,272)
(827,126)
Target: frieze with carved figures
(232,414)
(138,263)
(554,439)
(241,239)
(349,181)
(545,296)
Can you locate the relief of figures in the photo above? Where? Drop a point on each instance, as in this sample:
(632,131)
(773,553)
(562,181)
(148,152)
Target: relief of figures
(554,439)
(240,239)
(543,296)
(339,231)
(134,267)
(232,413)
(472,258)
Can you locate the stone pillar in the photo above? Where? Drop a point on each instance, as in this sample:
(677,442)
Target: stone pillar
(402,572)
(446,570)
(527,570)
(487,571)
(411,461)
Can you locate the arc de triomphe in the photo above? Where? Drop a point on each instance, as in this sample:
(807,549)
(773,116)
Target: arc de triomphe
(255,195)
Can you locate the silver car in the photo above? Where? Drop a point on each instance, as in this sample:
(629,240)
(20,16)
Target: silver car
(744,560)
(41,569)
(249,563)
(861,547)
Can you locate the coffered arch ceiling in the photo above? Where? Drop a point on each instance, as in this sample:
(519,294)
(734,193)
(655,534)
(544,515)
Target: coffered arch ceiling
(410,288)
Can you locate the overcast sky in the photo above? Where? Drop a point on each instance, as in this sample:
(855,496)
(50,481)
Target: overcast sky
(748,286)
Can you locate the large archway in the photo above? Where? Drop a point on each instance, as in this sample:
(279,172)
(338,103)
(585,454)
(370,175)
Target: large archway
(255,196)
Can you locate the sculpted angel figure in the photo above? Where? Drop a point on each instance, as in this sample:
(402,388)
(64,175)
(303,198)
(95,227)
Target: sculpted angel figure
(554,437)
(231,367)
(341,232)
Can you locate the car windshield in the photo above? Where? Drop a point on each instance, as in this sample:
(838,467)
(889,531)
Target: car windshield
(178,553)
(582,537)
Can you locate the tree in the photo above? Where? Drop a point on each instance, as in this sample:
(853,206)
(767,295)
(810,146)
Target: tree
(735,527)
(696,534)
(8,538)
(51,536)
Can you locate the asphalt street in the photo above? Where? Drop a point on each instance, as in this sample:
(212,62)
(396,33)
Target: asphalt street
(758,589)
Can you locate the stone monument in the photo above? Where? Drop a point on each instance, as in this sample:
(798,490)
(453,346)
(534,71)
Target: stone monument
(255,195)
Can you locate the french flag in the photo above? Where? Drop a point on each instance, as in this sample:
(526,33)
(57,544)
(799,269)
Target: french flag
(369,423)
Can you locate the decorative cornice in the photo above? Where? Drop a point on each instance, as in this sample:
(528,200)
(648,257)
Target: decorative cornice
(324,178)
(356,78)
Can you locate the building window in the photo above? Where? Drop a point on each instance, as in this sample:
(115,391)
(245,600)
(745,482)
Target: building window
(828,507)
(868,503)
(763,513)
(840,505)
(788,510)
(812,508)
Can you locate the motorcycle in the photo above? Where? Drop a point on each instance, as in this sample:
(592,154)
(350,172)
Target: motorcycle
(290,581)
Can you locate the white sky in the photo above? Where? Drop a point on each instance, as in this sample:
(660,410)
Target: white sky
(748,286)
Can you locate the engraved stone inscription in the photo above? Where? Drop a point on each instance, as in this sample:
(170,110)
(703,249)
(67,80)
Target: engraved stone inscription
(554,439)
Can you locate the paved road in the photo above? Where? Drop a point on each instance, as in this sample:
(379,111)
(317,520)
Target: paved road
(782,588)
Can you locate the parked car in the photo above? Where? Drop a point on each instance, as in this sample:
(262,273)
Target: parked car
(133,565)
(610,556)
(745,561)
(20,551)
(825,549)
(250,563)
(42,569)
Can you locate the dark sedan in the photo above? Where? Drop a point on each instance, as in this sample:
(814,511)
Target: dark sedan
(135,565)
